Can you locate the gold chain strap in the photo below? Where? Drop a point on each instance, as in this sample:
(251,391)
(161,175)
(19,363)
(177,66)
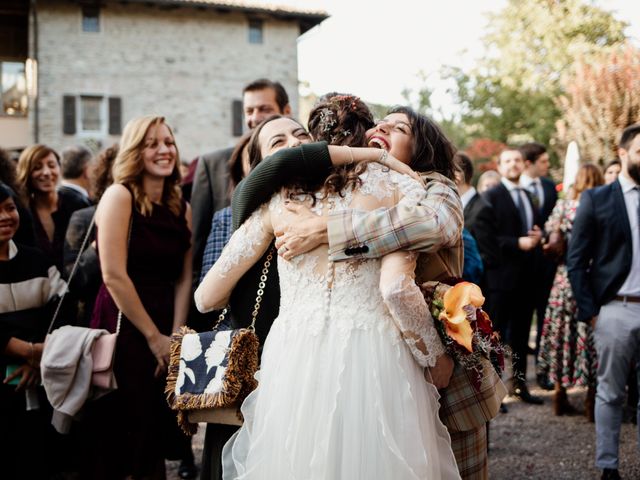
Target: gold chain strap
(260,293)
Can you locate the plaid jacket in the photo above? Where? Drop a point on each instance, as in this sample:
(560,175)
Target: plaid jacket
(432,227)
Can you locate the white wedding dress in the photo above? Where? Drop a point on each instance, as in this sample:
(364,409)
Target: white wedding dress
(342,393)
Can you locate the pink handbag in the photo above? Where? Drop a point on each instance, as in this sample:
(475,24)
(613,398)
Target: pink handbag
(102,353)
(104,347)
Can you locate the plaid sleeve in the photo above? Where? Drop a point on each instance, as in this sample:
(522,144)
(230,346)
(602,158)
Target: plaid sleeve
(427,225)
(217,239)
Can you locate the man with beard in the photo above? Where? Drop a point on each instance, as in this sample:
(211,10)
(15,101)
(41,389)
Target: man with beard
(512,282)
(603,262)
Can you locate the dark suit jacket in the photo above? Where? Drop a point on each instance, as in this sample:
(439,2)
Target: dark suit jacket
(506,275)
(75,196)
(480,220)
(208,195)
(550,198)
(599,255)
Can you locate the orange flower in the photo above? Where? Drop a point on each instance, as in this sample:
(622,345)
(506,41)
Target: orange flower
(454,315)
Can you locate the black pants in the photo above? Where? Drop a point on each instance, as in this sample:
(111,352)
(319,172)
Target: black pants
(511,313)
(214,439)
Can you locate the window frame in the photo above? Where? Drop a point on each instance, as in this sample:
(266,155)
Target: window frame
(2,112)
(98,8)
(104,115)
(252,27)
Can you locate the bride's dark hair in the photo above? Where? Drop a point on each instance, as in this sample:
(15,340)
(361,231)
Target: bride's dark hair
(338,119)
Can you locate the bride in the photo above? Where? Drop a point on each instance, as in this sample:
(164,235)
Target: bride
(340,393)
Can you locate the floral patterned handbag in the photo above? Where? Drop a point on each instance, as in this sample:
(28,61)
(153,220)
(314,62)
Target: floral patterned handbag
(211,373)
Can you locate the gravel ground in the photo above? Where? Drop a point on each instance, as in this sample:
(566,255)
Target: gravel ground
(529,442)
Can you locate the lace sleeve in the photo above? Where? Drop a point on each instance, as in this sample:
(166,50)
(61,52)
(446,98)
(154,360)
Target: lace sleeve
(245,247)
(408,308)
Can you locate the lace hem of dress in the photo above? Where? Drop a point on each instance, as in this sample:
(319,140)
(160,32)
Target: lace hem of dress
(412,317)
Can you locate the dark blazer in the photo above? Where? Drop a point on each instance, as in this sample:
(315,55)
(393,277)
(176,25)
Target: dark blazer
(600,248)
(208,195)
(506,274)
(75,196)
(480,220)
(550,198)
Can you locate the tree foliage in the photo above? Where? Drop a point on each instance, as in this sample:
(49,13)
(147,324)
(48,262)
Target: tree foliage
(510,94)
(602,98)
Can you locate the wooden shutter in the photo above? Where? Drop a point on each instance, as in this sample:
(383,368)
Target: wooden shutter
(236,118)
(69,115)
(115,115)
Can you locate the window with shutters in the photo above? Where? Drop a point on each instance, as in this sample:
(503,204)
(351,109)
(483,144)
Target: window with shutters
(94,115)
(91,18)
(13,89)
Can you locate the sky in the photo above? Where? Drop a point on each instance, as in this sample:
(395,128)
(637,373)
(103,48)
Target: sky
(376,48)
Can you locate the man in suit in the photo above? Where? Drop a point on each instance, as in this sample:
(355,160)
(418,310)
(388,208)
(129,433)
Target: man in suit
(210,192)
(512,281)
(544,194)
(76,182)
(479,218)
(603,262)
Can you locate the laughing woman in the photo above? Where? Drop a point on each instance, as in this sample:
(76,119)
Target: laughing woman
(143,243)
(38,178)
(341,395)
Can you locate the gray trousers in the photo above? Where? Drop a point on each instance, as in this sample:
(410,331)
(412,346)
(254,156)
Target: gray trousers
(617,340)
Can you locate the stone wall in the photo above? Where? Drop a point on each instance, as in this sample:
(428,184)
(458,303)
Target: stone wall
(187,64)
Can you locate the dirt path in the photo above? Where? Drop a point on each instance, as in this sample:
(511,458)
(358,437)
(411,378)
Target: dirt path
(529,442)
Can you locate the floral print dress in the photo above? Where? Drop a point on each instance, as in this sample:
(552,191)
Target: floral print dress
(567,354)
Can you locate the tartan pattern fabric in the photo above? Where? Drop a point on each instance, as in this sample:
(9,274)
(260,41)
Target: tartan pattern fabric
(217,239)
(462,407)
(470,450)
(433,223)
(432,227)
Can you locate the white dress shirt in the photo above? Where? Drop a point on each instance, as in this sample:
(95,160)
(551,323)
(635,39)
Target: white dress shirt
(532,184)
(518,196)
(631,285)
(466,197)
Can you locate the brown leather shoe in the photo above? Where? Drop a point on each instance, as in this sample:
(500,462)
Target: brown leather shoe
(561,405)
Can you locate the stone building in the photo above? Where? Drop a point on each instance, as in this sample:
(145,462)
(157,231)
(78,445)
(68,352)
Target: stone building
(78,70)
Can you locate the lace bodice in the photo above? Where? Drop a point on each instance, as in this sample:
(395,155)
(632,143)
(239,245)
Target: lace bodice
(353,294)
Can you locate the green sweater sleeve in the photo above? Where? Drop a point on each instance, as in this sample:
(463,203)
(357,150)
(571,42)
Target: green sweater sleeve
(310,161)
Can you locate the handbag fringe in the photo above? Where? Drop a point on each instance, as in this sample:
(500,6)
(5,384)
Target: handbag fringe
(238,382)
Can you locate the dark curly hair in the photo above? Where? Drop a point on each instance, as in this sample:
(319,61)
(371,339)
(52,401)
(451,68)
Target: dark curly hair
(343,120)
(102,174)
(432,150)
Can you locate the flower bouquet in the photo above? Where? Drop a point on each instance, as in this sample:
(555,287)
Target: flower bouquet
(465,329)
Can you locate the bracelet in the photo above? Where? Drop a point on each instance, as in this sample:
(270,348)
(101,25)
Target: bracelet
(350,154)
(383,157)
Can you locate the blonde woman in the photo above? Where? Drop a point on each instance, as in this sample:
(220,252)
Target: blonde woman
(143,243)
(38,178)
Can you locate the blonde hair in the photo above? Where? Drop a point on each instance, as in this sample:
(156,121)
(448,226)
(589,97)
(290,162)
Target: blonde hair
(128,167)
(588,176)
(29,157)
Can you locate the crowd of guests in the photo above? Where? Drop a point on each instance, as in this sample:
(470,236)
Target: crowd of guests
(151,234)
